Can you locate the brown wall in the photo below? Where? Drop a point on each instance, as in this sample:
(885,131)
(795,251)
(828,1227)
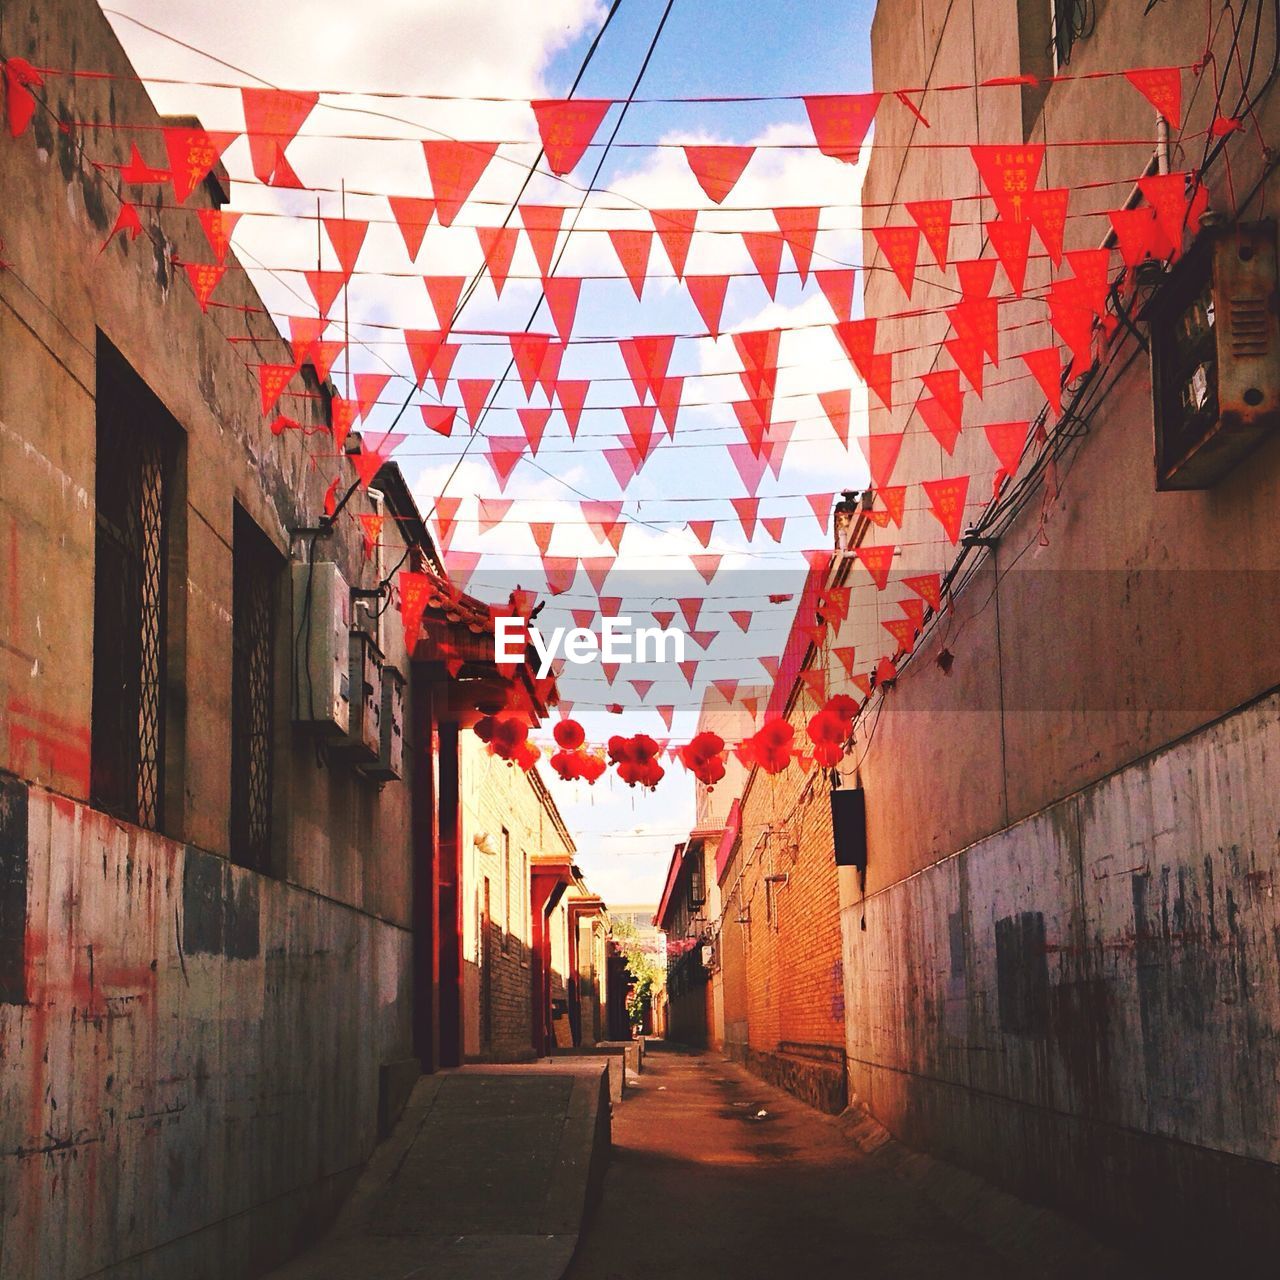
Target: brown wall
(191,1067)
(1109,648)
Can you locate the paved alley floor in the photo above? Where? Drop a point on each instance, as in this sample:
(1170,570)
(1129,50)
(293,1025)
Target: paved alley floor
(702,1185)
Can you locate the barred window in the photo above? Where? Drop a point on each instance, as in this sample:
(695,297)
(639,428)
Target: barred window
(137,449)
(255,592)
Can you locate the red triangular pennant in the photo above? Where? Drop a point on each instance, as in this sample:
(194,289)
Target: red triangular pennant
(1047,213)
(840,122)
(928,586)
(498,244)
(1010,173)
(504,453)
(534,422)
(562,293)
(272,118)
(836,405)
(566,127)
(707,293)
(444,292)
(572,394)
(455,168)
(877,561)
(717,169)
(675,229)
(940,423)
(474,393)
(1007,441)
(765,250)
(946,501)
(325,287)
(542,227)
(1045,366)
(493,511)
(1162,87)
(933,217)
(192,155)
(413,216)
(439,417)
(347,237)
(1011,242)
(632,248)
(218,225)
(901,249)
(799,227)
(837,288)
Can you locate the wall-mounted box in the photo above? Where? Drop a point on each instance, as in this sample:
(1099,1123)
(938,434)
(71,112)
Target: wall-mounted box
(364,734)
(389,766)
(1215,355)
(321,648)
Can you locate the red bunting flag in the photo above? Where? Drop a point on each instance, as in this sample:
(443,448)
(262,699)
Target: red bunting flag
(572,394)
(837,288)
(304,334)
(498,244)
(127,223)
(707,293)
(205,278)
(623,463)
(748,509)
(1047,213)
(741,619)
(283,176)
(946,501)
(820,504)
(690,608)
(474,393)
(933,217)
(325,287)
(1045,367)
(272,380)
(19,77)
(529,350)
(633,248)
(1011,242)
(640,421)
(369,386)
(562,294)
(1072,320)
(836,405)
(1010,173)
(218,225)
(542,227)
(765,250)
(1162,87)
(493,511)
(566,127)
(542,536)
(323,355)
(669,396)
(750,465)
(272,118)
(1007,441)
(504,453)
(602,517)
(371,525)
(701,529)
(347,237)
(877,561)
(706,566)
(903,630)
(373,455)
(1092,268)
(675,229)
(1139,236)
(534,422)
(944,386)
(979,319)
(858,338)
(454,169)
(446,513)
(444,292)
(901,249)
(440,418)
(413,216)
(138,172)
(894,497)
(629,349)
(799,228)
(840,122)
(423,346)
(882,452)
(1166,193)
(976,275)
(718,169)
(192,155)
(442,365)
(944,428)
(774,526)
(928,586)
(967,353)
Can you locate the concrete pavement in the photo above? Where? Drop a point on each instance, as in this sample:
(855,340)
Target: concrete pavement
(715,1173)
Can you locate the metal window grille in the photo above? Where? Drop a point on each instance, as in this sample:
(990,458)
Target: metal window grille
(136,441)
(254,591)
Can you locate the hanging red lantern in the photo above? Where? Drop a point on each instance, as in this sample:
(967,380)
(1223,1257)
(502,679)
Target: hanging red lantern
(703,756)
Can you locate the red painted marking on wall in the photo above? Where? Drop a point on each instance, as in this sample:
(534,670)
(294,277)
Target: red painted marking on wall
(39,738)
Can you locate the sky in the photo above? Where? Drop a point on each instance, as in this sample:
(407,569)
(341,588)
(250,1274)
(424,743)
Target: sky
(514,49)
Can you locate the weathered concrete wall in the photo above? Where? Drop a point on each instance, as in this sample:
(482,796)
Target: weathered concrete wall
(1048,987)
(1086,1004)
(191,1076)
(189,1057)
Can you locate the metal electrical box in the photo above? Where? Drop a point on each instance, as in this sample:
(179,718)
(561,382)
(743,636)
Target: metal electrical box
(321,648)
(389,766)
(364,734)
(1215,355)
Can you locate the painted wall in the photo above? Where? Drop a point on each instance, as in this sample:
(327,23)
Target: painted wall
(1065,979)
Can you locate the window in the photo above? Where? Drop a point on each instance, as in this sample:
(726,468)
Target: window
(138,445)
(255,589)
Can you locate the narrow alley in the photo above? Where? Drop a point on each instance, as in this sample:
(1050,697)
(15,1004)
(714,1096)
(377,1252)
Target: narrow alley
(715,1173)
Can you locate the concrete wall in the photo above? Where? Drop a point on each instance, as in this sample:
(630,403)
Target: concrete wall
(1035,787)
(190,1080)
(189,1061)
(1086,1002)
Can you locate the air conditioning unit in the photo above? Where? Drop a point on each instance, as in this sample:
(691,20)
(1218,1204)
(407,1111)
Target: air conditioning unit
(363,742)
(1215,355)
(321,649)
(389,766)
